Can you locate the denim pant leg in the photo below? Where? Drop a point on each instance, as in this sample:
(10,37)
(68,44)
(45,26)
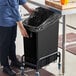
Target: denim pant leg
(12,52)
(5,38)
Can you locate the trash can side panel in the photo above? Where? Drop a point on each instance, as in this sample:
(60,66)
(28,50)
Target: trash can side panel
(30,48)
(48,44)
(48,40)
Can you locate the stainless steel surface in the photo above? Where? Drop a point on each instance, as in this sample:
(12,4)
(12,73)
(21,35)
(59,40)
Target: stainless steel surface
(37,4)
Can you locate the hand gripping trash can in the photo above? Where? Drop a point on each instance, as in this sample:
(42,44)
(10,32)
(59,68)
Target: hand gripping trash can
(41,48)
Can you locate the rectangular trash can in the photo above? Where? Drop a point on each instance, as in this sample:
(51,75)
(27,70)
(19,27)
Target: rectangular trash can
(41,48)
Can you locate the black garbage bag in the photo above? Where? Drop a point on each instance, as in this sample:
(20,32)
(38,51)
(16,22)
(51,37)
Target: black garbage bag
(39,16)
(40,19)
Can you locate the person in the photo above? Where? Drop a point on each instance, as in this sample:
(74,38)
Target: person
(9,19)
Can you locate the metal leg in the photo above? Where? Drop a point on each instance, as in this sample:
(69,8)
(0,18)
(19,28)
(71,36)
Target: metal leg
(22,68)
(22,71)
(37,73)
(59,64)
(63,45)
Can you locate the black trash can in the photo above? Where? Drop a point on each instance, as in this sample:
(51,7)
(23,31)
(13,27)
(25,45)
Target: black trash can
(41,48)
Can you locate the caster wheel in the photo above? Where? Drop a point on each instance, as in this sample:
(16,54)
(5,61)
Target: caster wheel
(37,74)
(59,66)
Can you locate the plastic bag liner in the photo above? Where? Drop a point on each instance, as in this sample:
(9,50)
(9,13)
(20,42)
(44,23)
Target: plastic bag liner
(41,19)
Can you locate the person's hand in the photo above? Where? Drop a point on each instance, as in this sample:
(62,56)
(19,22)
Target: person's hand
(22,29)
(24,32)
(31,10)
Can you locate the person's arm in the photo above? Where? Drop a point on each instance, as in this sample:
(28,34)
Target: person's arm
(30,10)
(22,29)
(19,23)
(15,13)
(25,5)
